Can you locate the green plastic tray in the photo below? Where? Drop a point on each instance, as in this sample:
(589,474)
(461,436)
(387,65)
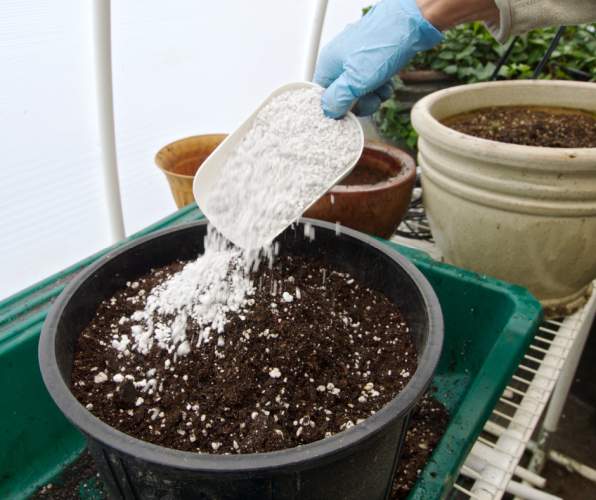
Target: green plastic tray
(488,326)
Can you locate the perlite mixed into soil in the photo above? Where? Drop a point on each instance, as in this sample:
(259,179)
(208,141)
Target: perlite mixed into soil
(428,423)
(529,126)
(243,351)
(311,354)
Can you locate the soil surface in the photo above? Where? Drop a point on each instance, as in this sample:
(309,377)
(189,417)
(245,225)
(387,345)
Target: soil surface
(288,372)
(529,126)
(363,175)
(79,480)
(427,424)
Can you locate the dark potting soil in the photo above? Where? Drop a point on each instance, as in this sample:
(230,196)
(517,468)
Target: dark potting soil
(529,126)
(288,373)
(428,423)
(363,175)
(78,480)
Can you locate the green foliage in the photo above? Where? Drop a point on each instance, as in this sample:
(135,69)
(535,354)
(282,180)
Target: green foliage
(469,54)
(394,124)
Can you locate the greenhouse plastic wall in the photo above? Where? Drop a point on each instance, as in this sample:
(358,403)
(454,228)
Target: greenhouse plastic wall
(179,68)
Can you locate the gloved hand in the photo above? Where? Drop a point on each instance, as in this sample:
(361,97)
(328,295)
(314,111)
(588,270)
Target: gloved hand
(359,62)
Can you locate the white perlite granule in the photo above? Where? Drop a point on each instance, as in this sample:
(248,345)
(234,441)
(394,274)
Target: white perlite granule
(286,160)
(289,158)
(206,290)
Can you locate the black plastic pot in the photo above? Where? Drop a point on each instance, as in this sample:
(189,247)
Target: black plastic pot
(355,464)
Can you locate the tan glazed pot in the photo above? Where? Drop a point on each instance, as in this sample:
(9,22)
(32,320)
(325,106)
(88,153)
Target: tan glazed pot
(524,214)
(375,209)
(181,159)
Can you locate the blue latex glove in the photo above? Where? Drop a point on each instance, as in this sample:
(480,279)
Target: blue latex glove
(359,62)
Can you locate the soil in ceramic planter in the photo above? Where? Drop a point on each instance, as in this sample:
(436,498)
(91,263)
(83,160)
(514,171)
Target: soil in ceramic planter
(529,126)
(315,354)
(428,423)
(366,174)
(374,197)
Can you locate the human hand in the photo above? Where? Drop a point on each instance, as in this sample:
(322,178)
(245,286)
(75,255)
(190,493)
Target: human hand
(357,65)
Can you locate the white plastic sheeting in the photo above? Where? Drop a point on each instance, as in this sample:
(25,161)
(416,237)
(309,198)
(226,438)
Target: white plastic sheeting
(179,68)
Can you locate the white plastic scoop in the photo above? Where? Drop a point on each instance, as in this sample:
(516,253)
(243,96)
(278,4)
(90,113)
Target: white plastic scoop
(211,170)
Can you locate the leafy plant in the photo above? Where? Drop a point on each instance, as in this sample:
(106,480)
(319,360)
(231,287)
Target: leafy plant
(393,121)
(469,54)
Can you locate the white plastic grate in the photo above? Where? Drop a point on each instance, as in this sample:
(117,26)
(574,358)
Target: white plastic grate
(493,463)
(492,467)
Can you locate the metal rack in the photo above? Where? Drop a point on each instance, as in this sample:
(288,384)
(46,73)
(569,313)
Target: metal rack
(541,382)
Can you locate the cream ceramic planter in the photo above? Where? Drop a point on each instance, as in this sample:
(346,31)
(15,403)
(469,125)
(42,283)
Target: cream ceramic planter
(524,214)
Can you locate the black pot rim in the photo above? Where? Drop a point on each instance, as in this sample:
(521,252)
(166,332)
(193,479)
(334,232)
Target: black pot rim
(326,449)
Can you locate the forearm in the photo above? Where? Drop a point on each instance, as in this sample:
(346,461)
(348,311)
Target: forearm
(508,17)
(521,16)
(445,14)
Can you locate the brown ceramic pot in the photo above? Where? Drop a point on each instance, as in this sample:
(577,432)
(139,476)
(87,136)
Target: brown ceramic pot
(418,84)
(362,203)
(423,75)
(180,161)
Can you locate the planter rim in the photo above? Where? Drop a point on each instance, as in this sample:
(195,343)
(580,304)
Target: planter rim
(407,172)
(164,150)
(431,130)
(325,449)
(424,75)
(173,174)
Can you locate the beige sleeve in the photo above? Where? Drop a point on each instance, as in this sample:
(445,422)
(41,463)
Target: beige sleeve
(521,16)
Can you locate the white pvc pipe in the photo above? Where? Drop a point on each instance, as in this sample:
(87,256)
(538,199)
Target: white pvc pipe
(482,455)
(514,488)
(570,463)
(510,445)
(561,391)
(529,493)
(314,39)
(105,113)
